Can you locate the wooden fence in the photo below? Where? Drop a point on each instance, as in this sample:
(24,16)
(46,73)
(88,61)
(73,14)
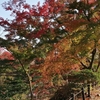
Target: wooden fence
(84,93)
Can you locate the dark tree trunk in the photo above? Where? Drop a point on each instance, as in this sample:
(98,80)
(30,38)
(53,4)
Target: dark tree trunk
(92,58)
(90,61)
(98,63)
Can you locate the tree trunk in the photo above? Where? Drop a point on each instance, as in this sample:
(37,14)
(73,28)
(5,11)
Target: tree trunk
(29,79)
(98,63)
(92,58)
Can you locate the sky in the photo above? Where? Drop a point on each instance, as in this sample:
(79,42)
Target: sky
(6,14)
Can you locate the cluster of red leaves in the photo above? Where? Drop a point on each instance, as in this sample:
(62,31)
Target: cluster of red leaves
(71,25)
(26,16)
(89,1)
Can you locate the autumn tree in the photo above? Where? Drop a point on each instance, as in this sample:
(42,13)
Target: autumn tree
(22,36)
(79,23)
(24,32)
(34,30)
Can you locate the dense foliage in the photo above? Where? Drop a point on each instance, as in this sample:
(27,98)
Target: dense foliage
(50,40)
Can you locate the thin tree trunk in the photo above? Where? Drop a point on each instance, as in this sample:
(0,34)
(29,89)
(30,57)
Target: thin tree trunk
(29,79)
(98,63)
(92,59)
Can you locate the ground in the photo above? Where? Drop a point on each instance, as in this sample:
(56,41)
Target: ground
(95,94)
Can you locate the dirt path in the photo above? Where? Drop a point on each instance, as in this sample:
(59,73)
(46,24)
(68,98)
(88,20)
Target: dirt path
(95,94)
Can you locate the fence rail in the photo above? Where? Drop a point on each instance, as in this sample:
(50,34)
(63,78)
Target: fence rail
(85,92)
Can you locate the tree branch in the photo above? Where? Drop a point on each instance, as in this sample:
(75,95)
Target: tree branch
(84,66)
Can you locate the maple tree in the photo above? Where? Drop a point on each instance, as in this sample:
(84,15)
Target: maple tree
(80,44)
(68,29)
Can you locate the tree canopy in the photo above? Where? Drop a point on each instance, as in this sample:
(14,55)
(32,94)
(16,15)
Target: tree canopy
(58,36)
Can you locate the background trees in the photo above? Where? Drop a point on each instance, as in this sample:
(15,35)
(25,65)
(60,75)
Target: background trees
(59,35)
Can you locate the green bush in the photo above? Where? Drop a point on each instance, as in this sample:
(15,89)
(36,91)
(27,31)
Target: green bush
(83,76)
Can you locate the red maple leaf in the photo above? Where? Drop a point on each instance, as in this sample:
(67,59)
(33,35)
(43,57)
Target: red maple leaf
(26,6)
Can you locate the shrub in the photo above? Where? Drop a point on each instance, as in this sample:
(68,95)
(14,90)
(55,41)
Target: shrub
(84,76)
